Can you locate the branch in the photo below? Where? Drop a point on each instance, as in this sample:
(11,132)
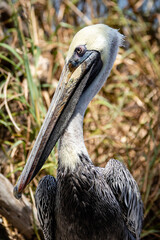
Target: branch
(18,212)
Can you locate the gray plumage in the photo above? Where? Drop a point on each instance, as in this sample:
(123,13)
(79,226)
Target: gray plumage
(90,203)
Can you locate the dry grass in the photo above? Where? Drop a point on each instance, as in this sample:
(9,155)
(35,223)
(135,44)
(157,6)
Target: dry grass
(121,122)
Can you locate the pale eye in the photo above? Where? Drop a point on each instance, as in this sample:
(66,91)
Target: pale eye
(80,50)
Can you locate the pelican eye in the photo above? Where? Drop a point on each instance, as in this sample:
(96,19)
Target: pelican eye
(80,50)
(77,58)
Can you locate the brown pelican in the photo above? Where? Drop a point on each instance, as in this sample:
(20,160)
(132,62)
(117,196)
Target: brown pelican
(84,201)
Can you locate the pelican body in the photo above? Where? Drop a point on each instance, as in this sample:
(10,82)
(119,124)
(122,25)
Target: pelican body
(84,202)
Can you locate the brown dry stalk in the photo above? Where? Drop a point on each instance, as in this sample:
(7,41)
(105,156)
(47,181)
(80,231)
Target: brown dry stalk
(6,104)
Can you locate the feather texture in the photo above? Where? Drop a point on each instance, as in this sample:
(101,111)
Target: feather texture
(90,203)
(45,203)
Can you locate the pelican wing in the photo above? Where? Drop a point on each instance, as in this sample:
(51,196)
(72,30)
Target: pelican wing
(45,204)
(126,191)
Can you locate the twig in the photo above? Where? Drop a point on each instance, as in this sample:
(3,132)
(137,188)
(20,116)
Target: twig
(78,12)
(6,104)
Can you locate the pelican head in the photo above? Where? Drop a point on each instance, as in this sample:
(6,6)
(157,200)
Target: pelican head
(88,63)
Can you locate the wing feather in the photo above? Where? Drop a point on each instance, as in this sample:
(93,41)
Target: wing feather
(127,194)
(45,204)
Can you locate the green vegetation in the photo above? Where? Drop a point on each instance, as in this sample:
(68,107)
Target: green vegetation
(121,122)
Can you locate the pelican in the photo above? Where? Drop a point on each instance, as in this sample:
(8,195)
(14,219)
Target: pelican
(84,202)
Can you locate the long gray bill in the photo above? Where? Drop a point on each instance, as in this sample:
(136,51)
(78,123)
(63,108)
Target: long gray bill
(68,92)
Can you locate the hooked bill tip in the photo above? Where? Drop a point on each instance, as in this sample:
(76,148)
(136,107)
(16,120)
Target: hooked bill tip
(16,193)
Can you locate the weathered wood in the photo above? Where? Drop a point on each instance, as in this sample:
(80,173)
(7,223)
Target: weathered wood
(17,212)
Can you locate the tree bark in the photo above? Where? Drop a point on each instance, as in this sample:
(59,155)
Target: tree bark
(17,212)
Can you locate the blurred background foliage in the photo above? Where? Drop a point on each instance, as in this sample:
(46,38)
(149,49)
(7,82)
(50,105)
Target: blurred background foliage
(123,120)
